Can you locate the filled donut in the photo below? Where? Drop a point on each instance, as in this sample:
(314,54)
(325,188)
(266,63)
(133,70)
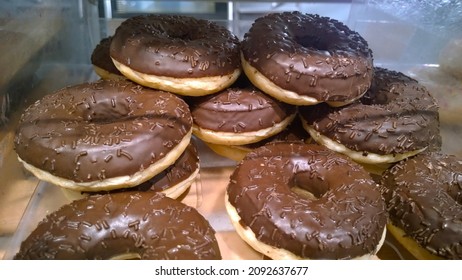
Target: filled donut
(304,201)
(125,225)
(180,54)
(173,181)
(424,199)
(103,135)
(102,62)
(395,119)
(239,115)
(306,59)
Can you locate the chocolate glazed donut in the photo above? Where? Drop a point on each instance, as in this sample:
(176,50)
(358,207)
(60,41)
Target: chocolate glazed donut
(424,199)
(102,62)
(343,217)
(239,115)
(179,54)
(395,119)
(127,225)
(103,135)
(305,59)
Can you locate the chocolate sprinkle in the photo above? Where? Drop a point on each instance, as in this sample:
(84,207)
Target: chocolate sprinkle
(345,219)
(396,115)
(175,46)
(424,199)
(131,222)
(237,108)
(104,139)
(310,55)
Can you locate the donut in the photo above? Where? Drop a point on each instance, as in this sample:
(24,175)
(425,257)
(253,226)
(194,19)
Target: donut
(304,201)
(102,135)
(293,132)
(239,115)
(125,225)
(305,59)
(395,119)
(424,202)
(176,53)
(102,62)
(173,181)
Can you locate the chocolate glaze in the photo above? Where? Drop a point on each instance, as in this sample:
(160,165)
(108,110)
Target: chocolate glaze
(176,173)
(397,115)
(100,130)
(346,219)
(175,46)
(239,108)
(104,226)
(424,199)
(181,170)
(310,55)
(100,57)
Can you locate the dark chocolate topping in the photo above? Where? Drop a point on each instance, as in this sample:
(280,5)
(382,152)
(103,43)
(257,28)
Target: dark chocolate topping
(100,130)
(146,224)
(424,199)
(239,109)
(181,170)
(100,57)
(397,115)
(310,55)
(346,219)
(176,173)
(175,46)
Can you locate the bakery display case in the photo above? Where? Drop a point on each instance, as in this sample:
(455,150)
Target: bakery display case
(46,45)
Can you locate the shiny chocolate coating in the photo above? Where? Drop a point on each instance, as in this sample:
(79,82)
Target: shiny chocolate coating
(176,173)
(310,55)
(424,199)
(396,115)
(103,129)
(345,219)
(147,225)
(239,108)
(175,46)
(181,170)
(100,57)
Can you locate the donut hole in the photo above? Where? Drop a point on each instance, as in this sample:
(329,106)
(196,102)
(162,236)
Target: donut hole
(312,42)
(307,186)
(185,35)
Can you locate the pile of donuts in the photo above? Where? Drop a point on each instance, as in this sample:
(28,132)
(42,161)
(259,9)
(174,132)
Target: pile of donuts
(331,150)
